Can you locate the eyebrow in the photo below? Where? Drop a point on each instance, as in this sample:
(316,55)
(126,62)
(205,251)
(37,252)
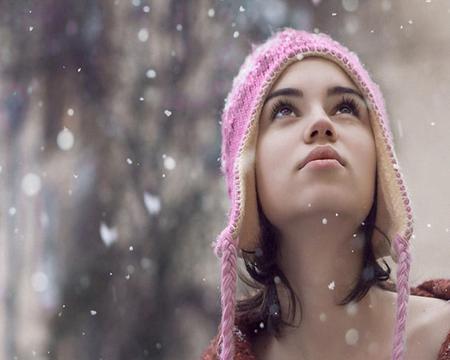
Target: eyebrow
(335,90)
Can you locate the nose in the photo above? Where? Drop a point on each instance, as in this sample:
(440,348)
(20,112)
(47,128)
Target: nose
(321,128)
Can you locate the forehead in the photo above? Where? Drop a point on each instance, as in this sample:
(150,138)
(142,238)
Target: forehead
(313,72)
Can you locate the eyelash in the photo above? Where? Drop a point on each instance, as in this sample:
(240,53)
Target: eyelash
(349,102)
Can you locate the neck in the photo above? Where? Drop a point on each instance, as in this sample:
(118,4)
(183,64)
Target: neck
(322,261)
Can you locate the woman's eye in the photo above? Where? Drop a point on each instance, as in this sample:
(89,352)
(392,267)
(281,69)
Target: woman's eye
(346,107)
(282,107)
(350,105)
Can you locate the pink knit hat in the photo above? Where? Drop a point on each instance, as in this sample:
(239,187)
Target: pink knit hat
(239,134)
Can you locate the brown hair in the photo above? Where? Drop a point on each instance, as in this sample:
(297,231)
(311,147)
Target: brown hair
(261,265)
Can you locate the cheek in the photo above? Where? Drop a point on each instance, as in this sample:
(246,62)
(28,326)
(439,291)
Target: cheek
(363,152)
(271,169)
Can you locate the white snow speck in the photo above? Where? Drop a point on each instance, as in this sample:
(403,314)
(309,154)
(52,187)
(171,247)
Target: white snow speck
(333,14)
(211,12)
(146,9)
(65,139)
(410,21)
(93,312)
(108,235)
(70,112)
(143,35)
(152,203)
(130,248)
(12,211)
(331,285)
(350,5)
(127,277)
(79,70)
(39,281)
(236,34)
(323,317)
(31,184)
(167,113)
(129,161)
(428,225)
(241,9)
(309,204)
(337,214)
(169,163)
(352,308)
(352,336)
(31,28)
(277,280)
(151,74)
(146,263)
(261,325)
(179,27)
(432,123)
(136,2)
(324,221)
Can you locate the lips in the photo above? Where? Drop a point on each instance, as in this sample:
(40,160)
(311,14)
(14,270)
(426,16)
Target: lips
(321,152)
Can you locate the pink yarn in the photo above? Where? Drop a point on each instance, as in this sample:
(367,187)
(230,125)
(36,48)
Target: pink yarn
(403,291)
(226,249)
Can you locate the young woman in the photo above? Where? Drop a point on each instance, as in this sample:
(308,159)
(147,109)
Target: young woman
(317,199)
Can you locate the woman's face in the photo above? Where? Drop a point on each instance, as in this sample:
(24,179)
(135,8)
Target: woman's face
(293,125)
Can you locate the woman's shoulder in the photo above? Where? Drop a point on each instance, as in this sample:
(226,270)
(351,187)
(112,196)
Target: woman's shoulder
(430,306)
(242,343)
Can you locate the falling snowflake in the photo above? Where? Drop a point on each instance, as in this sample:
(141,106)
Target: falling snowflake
(143,35)
(152,203)
(108,235)
(352,308)
(324,221)
(211,12)
(169,163)
(331,285)
(352,336)
(65,139)
(151,74)
(167,113)
(31,184)
(93,312)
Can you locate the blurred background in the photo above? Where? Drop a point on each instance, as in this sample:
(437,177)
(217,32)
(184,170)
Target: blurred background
(111,192)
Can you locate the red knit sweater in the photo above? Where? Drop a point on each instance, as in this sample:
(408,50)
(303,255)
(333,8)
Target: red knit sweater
(438,288)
